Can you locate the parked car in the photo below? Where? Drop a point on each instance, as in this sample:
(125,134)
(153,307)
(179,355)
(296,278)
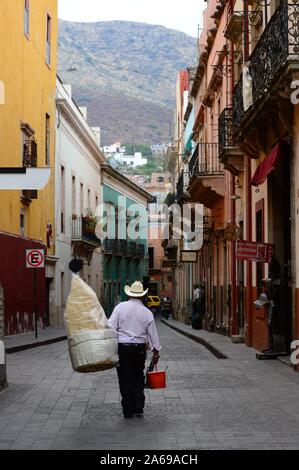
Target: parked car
(153,302)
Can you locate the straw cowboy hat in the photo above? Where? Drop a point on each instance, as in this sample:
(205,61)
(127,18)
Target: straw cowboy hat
(136,290)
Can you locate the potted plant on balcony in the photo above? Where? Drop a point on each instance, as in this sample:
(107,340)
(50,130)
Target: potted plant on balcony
(89,221)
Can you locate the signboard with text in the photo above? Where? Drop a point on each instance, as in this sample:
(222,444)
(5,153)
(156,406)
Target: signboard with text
(189,256)
(254,252)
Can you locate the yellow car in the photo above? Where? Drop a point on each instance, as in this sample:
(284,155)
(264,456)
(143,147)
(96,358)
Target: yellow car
(153,303)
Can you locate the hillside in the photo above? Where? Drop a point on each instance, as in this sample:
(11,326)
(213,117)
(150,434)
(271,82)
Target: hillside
(126,75)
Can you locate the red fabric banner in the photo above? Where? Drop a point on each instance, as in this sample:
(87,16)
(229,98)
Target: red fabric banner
(266,166)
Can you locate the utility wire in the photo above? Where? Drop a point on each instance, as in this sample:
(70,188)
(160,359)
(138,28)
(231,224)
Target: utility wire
(116,67)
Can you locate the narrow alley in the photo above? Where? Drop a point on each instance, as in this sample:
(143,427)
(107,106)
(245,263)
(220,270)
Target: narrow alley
(209,403)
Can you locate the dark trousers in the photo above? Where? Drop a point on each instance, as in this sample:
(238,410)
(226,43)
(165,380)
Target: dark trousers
(131,377)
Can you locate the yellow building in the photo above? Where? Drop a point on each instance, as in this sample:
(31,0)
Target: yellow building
(28,56)
(28,37)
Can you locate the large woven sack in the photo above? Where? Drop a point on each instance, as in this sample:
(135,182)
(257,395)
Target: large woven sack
(93,345)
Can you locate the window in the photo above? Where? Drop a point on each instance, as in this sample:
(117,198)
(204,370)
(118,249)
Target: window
(151,252)
(97,202)
(81,198)
(48,40)
(62,290)
(47,141)
(22,223)
(26,17)
(88,199)
(74,205)
(29,147)
(62,187)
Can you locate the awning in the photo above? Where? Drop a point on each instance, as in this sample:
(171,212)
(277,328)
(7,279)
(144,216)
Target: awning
(268,164)
(188,146)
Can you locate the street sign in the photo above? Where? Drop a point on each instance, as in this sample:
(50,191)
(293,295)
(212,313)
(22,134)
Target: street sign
(35,259)
(189,256)
(254,252)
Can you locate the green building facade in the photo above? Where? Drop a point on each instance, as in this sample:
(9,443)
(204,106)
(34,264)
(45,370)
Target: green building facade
(125,259)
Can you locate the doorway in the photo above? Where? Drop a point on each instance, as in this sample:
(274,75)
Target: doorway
(48,290)
(280,236)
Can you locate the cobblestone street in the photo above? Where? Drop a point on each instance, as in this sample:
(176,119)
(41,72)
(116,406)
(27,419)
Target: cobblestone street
(209,403)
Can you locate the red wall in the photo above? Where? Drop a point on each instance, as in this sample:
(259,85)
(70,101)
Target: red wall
(18,284)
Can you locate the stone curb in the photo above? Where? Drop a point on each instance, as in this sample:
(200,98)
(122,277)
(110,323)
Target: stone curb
(202,341)
(23,347)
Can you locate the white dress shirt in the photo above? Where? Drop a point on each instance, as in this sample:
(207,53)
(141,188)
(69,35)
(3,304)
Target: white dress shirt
(135,323)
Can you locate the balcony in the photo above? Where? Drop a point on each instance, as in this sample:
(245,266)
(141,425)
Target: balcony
(84,239)
(170,249)
(29,154)
(140,251)
(109,246)
(132,249)
(84,232)
(229,153)
(206,175)
(272,62)
(182,187)
(29,161)
(122,248)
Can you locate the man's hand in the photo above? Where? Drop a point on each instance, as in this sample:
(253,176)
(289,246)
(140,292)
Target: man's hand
(156,357)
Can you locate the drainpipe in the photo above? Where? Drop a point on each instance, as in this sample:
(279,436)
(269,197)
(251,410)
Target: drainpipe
(249,322)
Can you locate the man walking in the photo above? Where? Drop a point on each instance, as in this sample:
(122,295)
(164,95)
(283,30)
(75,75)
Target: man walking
(135,326)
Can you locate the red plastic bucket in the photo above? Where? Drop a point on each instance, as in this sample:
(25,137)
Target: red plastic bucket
(156,379)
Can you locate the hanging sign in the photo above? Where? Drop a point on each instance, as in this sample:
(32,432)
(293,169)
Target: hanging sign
(254,252)
(188,256)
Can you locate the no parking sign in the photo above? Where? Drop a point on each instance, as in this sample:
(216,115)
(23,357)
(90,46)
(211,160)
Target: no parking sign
(35,258)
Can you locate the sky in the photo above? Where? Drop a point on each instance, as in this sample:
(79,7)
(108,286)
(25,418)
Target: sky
(184,16)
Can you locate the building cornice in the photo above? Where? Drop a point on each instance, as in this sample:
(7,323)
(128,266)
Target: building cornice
(76,120)
(108,170)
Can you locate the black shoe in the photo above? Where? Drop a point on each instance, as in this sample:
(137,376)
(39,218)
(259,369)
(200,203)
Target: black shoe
(128,416)
(139,413)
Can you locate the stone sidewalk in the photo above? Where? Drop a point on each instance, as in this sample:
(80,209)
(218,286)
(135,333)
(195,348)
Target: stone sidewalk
(15,343)
(209,403)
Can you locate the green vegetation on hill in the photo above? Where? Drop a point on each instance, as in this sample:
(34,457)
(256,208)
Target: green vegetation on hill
(154,165)
(145,149)
(126,75)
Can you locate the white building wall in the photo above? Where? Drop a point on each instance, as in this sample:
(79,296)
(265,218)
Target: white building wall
(82,162)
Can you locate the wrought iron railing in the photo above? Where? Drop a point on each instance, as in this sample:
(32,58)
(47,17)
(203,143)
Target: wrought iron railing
(182,185)
(84,232)
(279,40)
(122,247)
(225,130)
(29,154)
(140,250)
(205,161)
(278,44)
(132,247)
(238,106)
